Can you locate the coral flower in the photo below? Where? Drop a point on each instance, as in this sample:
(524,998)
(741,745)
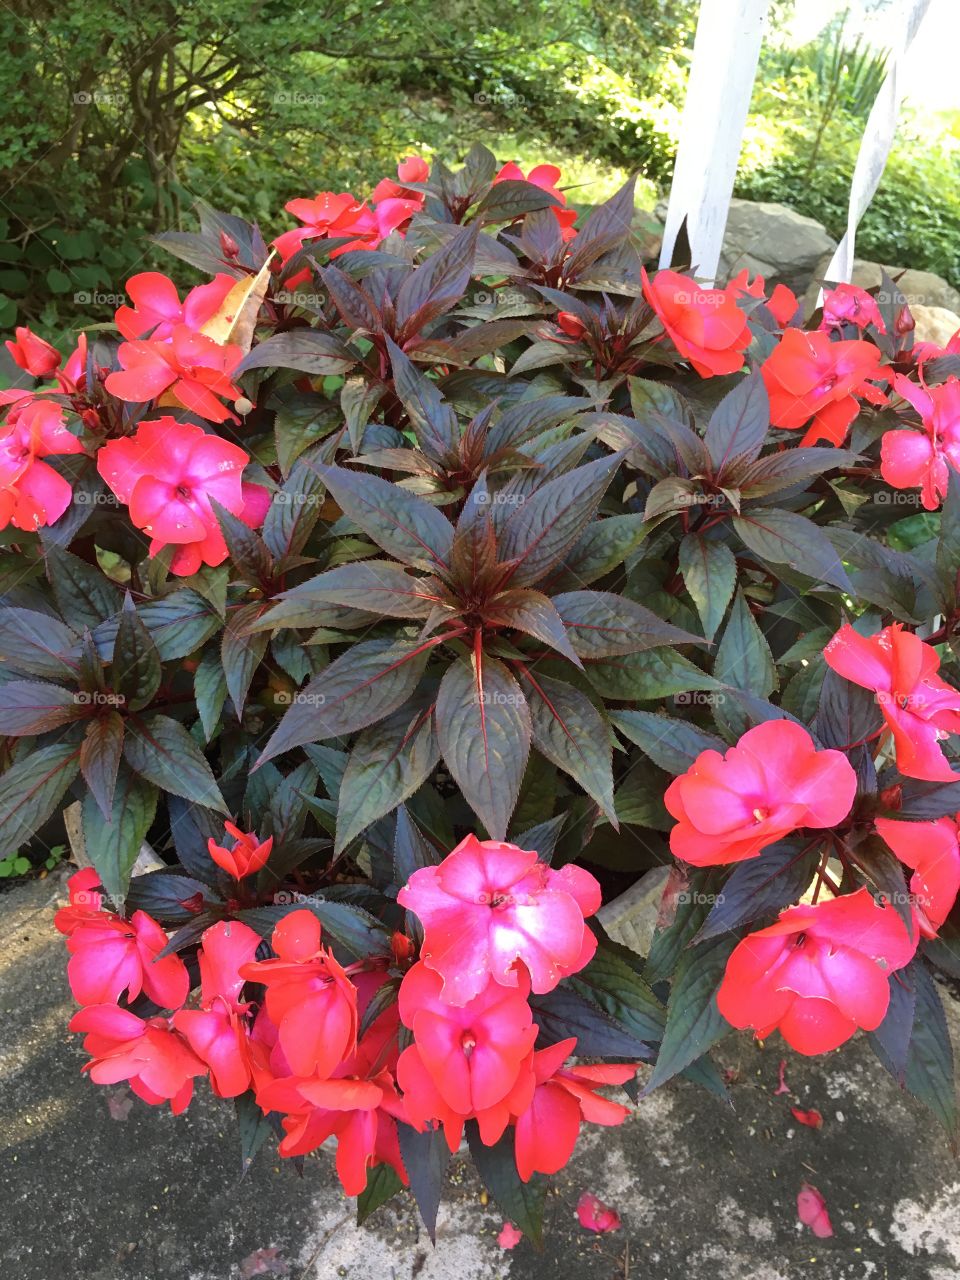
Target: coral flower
(158,1063)
(247,855)
(157,309)
(32,494)
(594,1215)
(922,458)
(309,997)
(110,956)
(33,354)
(818,974)
(729,807)
(547,1131)
(546,177)
(782,303)
(191,367)
(412,169)
(490,906)
(474,1052)
(808,376)
(920,709)
(932,850)
(167,472)
(217,1031)
(705,325)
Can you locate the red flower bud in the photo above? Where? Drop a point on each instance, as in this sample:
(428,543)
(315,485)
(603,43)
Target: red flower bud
(570,324)
(229,246)
(33,354)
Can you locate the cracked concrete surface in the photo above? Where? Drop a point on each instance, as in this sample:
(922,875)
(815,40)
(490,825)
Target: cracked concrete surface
(93,1187)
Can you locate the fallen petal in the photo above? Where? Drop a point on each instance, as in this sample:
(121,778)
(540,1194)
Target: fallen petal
(596,1216)
(812,1211)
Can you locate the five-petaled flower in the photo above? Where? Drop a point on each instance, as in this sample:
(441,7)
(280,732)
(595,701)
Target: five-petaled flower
(167,473)
(932,851)
(923,458)
(919,708)
(706,326)
(810,377)
(491,907)
(818,974)
(32,494)
(191,368)
(157,310)
(730,807)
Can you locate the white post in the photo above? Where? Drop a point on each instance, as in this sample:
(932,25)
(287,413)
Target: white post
(725,53)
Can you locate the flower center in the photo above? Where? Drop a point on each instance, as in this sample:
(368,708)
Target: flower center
(761,815)
(800,940)
(183,492)
(468,1042)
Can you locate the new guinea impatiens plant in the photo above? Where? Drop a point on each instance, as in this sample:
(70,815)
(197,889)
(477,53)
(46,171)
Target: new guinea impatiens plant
(403,588)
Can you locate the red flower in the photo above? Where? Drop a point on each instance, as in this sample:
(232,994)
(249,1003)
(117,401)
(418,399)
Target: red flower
(473,1052)
(33,354)
(167,472)
(157,309)
(729,807)
(247,855)
(158,1062)
(217,1031)
(594,1215)
(189,366)
(32,494)
(847,304)
(923,458)
(919,708)
(546,177)
(705,325)
(547,1130)
(110,956)
(309,997)
(932,850)
(335,216)
(570,324)
(818,974)
(782,303)
(808,376)
(412,169)
(490,908)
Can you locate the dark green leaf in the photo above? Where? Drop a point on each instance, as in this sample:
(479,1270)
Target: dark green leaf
(671,744)
(100,754)
(30,791)
(425,1157)
(738,426)
(601,624)
(570,731)
(113,846)
(162,751)
(783,537)
(136,671)
(522,1203)
(743,657)
(709,571)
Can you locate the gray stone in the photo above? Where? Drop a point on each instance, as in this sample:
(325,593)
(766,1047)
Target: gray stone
(920,288)
(771,240)
(91,1187)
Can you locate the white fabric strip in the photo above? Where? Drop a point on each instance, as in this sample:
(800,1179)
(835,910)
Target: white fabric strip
(877,140)
(724,66)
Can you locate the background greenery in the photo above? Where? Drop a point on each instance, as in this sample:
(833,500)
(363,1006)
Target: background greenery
(119,114)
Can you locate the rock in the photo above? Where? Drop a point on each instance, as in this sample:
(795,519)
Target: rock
(920,288)
(934,324)
(771,240)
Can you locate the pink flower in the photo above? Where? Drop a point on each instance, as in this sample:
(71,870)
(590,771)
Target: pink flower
(327,214)
(32,494)
(33,354)
(547,1130)
(809,377)
(167,472)
(158,1062)
(812,1211)
(309,997)
(847,304)
(546,177)
(475,1051)
(491,907)
(923,458)
(110,956)
(918,707)
(705,325)
(729,807)
(932,850)
(189,366)
(509,1237)
(157,309)
(818,974)
(594,1215)
(247,855)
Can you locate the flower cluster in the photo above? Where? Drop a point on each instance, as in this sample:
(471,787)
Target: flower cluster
(299,1047)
